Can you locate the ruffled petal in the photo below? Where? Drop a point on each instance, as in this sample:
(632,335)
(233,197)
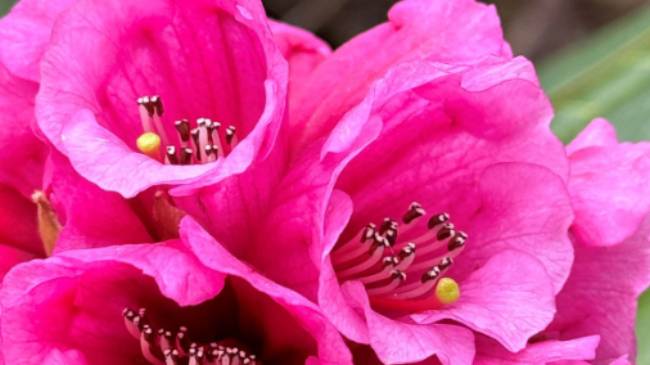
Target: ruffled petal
(580,349)
(609,185)
(600,297)
(303,50)
(509,299)
(398,342)
(342,81)
(84,210)
(24,34)
(74,300)
(103,56)
(21,160)
(331,348)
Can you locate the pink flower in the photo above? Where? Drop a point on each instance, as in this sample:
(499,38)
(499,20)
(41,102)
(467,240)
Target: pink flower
(209,82)
(83,307)
(427,124)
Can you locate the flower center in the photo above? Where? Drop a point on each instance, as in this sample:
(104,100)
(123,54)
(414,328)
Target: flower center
(203,141)
(166,347)
(403,266)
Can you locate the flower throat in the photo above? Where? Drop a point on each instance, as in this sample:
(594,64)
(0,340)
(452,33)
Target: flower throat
(403,267)
(165,347)
(192,143)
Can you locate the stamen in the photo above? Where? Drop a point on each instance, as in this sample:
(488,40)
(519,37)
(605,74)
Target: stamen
(49,225)
(410,279)
(206,141)
(171,155)
(165,347)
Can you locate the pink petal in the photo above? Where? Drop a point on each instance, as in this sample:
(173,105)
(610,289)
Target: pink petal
(85,210)
(303,50)
(21,160)
(399,342)
(608,186)
(509,299)
(342,81)
(331,348)
(24,34)
(74,300)
(598,133)
(600,297)
(18,222)
(103,56)
(490,353)
(11,256)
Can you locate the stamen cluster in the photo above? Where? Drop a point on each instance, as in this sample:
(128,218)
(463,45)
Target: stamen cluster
(165,347)
(402,268)
(200,142)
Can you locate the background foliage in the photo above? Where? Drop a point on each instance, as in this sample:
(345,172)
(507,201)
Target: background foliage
(593,58)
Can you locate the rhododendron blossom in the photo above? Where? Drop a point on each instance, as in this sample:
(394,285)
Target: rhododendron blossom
(192,183)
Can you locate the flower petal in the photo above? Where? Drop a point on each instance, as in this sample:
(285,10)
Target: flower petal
(490,353)
(303,50)
(509,299)
(84,210)
(24,34)
(331,348)
(21,160)
(600,297)
(342,81)
(608,186)
(399,342)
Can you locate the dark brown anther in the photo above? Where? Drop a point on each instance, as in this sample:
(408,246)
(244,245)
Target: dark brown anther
(457,241)
(388,224)
(157,105)
(407,250)
(171,155)
(208,150)
(446,231)
(230,134)
(437,220)
(186,156)
(414,212)
(183,128)
(389,261)
(398,274)
(380,240)
(146,102)
(368,232)
(391,236)
(445,263)
(431,274)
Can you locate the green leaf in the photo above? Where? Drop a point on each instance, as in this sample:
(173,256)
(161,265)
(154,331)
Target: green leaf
(608,76)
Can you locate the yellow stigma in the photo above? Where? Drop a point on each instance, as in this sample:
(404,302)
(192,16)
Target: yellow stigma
(149,144)
(447,291)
